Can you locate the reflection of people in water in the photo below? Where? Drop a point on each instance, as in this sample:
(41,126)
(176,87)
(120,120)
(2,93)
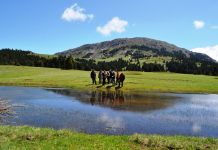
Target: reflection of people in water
(103,97)
(99,98)
(121,98)
(92,99)
(110,97)
(117,96)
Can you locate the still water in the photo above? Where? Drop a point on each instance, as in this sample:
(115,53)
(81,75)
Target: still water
(114,112)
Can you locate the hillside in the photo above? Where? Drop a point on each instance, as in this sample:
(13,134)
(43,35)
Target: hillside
(130,48)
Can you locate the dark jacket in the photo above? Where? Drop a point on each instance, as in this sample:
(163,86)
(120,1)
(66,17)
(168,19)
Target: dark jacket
(93,74)
(122,77)
(100,75)
(103,75)
(113,75)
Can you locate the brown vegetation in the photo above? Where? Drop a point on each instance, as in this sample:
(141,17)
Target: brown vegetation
(5,110)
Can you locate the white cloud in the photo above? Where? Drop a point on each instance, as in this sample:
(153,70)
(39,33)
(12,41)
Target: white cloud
(196,128)
(214,27)
(210,51)
(198,24)
(133,25)
(75,13)
(115,25)
(111,121)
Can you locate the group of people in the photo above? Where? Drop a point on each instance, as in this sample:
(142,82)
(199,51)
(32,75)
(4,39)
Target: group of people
(110,76)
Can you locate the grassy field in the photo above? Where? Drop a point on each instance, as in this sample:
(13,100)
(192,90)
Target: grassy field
(135,81)
(44,55)
(23,137)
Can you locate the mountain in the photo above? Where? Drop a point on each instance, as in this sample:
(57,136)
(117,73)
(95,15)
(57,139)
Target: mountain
(130,47)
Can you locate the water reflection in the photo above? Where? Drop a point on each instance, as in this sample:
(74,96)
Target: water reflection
(118,100)
(110,98)
(115,112)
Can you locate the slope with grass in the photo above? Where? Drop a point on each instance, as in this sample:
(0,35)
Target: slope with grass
(135,81)
(43,55)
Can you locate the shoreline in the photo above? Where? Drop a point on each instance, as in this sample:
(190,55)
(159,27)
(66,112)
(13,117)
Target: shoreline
(18,137)
(101,89)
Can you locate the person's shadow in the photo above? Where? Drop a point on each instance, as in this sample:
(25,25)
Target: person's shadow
(89,84)
(118,87)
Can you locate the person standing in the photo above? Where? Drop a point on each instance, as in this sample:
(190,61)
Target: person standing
(108,77)
(100,76)
(113,78)
(93,76)
(104,77)
(122,78)
(117,77)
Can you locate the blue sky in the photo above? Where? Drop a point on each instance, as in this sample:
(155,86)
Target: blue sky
(50,26)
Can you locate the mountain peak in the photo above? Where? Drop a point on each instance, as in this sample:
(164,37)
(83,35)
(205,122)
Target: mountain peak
(121,47)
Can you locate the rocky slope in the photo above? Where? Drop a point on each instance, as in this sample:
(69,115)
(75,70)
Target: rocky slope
(128,47)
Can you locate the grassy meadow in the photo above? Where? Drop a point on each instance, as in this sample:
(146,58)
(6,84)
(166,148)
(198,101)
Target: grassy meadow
(23,137)
(135,81)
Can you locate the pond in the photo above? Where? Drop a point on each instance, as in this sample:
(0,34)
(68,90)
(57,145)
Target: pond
(114,112)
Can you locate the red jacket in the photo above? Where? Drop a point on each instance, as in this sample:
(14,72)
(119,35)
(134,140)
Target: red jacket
(122,77)
(118,76)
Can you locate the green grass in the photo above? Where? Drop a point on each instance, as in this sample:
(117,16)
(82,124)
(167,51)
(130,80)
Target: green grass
(44,55)
(135,81)
(24,137)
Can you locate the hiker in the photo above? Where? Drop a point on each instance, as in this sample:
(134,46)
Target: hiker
(122,78)
(108,77)
(113,78)
(104,77)
(100,76)
(117,77)
(93,76)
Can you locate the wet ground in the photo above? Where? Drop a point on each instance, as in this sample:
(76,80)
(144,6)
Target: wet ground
(116,113)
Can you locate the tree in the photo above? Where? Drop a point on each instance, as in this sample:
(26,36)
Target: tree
(68,64)
(207,72)
(87,68)
(215,70)
(156,68)
(40,63)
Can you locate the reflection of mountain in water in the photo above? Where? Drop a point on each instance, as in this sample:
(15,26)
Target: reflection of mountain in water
(117,100)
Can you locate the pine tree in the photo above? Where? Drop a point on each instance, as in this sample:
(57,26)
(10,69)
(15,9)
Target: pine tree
(68,63)
(156,68)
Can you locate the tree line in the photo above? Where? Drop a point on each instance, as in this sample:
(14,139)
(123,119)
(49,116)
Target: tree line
(181,64)
(178,64)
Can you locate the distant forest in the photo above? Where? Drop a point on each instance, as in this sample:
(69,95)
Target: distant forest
(178,64)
